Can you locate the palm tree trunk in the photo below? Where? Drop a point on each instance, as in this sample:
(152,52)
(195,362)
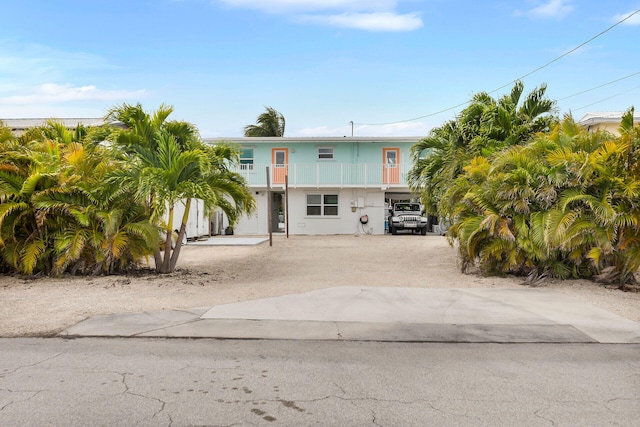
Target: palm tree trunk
(183,228)
(164,267)
(157,257)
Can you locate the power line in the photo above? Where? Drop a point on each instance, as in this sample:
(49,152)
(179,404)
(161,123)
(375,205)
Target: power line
(598,87)
(607,98)
(464,103)
(569,52)
(519,78)
(415,118)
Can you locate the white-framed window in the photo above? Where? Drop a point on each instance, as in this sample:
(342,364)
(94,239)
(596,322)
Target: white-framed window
(322,204)
(325,153)
(246,159)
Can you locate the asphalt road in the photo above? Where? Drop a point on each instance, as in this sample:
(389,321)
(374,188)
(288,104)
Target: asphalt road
(176,382)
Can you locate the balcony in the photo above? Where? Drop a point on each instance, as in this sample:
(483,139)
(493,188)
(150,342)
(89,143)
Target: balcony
(335,175)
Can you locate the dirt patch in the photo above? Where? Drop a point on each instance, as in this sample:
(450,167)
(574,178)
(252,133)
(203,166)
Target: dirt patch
(213,275)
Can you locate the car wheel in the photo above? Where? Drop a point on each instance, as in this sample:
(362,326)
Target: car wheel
(423,231)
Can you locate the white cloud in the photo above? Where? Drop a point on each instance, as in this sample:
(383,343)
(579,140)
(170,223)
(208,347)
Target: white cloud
(379,21)
(634,20)
(32,62)
(54,93)
(284,6)
(370,15)
(552,9)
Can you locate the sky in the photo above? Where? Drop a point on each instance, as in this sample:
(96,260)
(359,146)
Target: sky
(331,67)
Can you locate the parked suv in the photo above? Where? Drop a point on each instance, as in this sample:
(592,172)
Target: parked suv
(408,216)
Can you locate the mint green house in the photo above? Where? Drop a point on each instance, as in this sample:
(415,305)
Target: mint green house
(337,185)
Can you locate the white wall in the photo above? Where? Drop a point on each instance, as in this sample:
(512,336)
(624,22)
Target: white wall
(366,202)
(255,224)
(198,223)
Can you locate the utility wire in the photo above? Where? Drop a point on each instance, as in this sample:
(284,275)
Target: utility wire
(598,87)
(607,98)
(415,118)
(519,78)
(568,52)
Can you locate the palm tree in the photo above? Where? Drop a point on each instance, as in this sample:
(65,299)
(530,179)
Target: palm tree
(169,164)
(58,214)
(566,204)
(23,236)
(269,123)
(28,168)
(5,133)
(437,160)
(483,128)
(105,230)
(513,121)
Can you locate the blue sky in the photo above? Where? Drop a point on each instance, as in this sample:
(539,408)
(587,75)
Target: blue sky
(322,63)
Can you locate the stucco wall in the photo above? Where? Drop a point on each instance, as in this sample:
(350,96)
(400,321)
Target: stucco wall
(356,174)
(198,222)
(609,127)
(349,151)
(365,202)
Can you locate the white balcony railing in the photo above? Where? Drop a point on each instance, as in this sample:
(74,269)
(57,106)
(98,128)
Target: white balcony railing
(327,175)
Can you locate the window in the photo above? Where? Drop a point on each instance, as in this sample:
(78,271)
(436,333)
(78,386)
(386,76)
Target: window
(325,153)
(246,159)
(391,155)
(322,204)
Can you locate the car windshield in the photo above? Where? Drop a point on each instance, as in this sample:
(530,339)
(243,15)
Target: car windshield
(408,207)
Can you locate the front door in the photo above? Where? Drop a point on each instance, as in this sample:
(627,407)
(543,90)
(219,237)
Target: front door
(277,212)
(390,170)
(280,160)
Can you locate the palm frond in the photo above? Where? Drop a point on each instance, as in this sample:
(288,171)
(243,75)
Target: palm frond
(31,255)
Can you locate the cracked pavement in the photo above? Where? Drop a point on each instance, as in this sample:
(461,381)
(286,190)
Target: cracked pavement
(180,382)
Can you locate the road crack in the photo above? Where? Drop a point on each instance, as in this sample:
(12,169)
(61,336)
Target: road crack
(127,390)
(13,371)
(35,393)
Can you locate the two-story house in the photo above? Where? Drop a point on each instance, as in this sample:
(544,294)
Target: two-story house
(336,185)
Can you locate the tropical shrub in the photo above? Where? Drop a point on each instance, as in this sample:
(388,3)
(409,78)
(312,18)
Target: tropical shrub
(101,200)
(564,205)
(58,213)
(485,127)
(167,163)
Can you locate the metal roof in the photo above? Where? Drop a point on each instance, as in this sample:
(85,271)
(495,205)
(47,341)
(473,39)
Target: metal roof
(593,118)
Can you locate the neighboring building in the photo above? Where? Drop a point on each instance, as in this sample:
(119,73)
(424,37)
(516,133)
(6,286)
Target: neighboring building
(19,126)
(607,120)
(335,184)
